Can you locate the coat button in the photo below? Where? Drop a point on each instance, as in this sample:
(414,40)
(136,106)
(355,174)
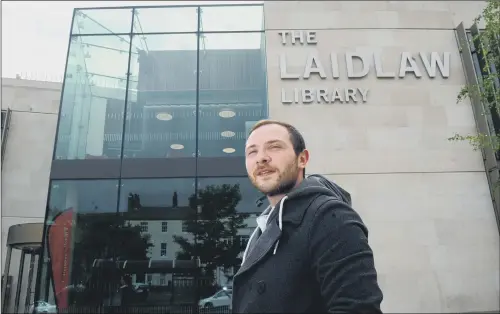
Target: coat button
(261,287)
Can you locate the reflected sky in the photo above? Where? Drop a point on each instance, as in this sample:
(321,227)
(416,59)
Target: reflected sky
(37,32)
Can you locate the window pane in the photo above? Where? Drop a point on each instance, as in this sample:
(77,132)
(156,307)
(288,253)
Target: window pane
(160,201)
(224,207)
(248,193)
(168,20)
(161,117)
(152,199)
(232,18)
(102,21)
(233,92)
(82,229)
(93,99)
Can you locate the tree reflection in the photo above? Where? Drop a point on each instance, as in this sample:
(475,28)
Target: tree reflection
(214,225)
(109,237)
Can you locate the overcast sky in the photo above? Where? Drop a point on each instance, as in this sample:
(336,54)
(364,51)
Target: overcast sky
(35,33)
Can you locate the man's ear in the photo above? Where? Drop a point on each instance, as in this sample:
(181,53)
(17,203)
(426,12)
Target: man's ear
(303,159)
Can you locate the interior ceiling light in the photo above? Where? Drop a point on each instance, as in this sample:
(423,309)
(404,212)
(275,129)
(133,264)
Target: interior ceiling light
(229,150)
(227,113)
(164,116)
(227,134)
(177,146)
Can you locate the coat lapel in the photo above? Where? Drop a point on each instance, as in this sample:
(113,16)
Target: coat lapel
(262,246)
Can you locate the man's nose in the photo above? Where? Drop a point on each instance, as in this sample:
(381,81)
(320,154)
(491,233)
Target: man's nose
(263,158)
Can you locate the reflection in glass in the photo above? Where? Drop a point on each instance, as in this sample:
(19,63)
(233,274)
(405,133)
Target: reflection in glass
(169,20)
(233,92)
(159,207)
(150,245)
(215,224)
(161,117)
(99,258)
(156,198)
(82,227)
(102,21)
(232,18)
(249,194)
(146,254)
(91,118)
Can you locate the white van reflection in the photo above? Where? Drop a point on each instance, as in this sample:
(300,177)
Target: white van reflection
(220,298)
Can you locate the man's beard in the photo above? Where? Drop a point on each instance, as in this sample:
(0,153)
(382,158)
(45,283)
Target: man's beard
(283,187)
(287,180)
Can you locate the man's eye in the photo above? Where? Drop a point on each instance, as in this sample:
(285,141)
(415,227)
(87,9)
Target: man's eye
(250,152)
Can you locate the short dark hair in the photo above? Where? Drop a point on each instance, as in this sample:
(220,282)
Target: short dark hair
(296,138)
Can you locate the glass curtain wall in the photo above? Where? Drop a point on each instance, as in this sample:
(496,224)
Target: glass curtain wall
(153,83)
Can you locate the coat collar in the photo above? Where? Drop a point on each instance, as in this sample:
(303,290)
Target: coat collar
(293,213)
(260,246)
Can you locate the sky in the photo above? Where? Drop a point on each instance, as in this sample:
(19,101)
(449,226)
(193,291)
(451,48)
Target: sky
(35,34)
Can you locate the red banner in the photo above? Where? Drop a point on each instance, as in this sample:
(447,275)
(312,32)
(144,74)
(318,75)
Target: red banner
(59,247)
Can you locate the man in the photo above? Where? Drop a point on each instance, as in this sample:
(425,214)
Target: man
(310,252)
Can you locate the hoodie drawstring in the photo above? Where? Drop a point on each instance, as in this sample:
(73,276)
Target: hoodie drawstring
(280,222)
(254,233)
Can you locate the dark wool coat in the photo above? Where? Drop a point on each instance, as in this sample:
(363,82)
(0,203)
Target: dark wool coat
(313,257)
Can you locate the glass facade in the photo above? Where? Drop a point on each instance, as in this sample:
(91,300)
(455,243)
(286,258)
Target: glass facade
(137,87)
(149,207)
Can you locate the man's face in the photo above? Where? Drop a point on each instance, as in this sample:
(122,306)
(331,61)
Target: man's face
(271,163)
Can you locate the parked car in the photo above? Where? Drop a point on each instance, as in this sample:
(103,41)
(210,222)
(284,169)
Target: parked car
(220,298)
(142,290)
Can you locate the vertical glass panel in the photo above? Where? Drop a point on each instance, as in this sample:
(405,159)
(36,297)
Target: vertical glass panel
(225,222)
(233,91)
(93,98)
(232,18)
(161,112)
(168,20)
(82,229)
(102,21)
(161,208)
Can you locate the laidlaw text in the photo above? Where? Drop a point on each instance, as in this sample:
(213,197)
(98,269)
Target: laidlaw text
(315,66)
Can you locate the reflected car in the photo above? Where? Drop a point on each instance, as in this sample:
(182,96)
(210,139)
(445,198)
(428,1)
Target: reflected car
(142,289)
(43,307)
(220,298)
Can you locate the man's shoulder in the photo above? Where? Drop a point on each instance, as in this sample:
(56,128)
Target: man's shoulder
(329,209)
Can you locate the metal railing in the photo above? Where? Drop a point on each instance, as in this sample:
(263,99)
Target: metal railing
(146,309)
(482,116)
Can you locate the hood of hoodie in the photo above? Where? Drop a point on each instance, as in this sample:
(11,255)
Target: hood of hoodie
(305,191)
(317,184)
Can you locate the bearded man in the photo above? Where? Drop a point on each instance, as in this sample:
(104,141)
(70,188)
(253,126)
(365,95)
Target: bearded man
(310,251)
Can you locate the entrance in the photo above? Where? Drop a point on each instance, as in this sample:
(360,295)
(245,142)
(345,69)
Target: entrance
(19,277)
